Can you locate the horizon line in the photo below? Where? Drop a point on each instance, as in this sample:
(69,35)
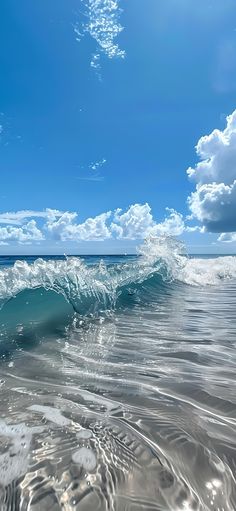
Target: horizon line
(109,255)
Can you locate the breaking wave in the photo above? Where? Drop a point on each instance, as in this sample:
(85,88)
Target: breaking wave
(98,287)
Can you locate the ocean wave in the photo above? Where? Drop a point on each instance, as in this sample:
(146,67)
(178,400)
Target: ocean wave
(98,287)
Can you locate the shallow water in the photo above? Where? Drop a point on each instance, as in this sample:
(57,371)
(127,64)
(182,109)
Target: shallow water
(129,408)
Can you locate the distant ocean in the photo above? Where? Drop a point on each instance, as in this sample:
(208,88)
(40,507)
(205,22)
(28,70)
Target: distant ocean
(118,387)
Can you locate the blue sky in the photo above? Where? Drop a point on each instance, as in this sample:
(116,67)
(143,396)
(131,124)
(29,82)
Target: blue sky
(86,140)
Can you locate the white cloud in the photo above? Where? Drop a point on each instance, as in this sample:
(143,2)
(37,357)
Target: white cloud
(135,223)
(194,228)
(96,61)
(173,224)
(97,164)
(28,233)
(66,228)
(214,205)
(94,168)
(218,154)
(214,201)
(90,178)
(59,227)
(227,237)
(18,217)
(104,27)
(94,228)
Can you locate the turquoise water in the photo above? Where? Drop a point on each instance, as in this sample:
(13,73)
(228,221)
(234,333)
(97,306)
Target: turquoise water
(118,382)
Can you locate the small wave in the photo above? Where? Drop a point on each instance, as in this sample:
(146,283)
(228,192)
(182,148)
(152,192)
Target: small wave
(90,288)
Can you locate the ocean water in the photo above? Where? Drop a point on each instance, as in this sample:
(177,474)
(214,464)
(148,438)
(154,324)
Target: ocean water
(118,386)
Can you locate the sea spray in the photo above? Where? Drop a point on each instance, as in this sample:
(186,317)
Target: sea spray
(91,288)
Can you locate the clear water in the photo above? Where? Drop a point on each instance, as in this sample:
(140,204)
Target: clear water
(118,382)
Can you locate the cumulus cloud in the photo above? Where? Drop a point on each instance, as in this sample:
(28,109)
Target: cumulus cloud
(65,228)
(214,201)
(136,222)
(173,224)
(227,237)
(217,152)
(214,204)
(28,233)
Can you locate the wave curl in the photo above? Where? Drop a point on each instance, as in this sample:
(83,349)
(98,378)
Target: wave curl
(88,288)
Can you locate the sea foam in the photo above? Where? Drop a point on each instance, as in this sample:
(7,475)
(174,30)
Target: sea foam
(16,440)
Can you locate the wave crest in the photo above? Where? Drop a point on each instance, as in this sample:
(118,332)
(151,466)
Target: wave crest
(88,288)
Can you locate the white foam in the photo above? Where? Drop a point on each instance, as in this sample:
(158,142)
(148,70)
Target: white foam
(86,458)
(169,254)
(51,414)
(14,462)
(208,272)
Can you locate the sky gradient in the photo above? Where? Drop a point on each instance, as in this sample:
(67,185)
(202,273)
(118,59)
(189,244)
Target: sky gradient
(102,108)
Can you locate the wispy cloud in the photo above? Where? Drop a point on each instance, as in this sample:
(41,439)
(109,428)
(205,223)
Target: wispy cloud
(224,80)
(90,178)
(18,217)
(93,168)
